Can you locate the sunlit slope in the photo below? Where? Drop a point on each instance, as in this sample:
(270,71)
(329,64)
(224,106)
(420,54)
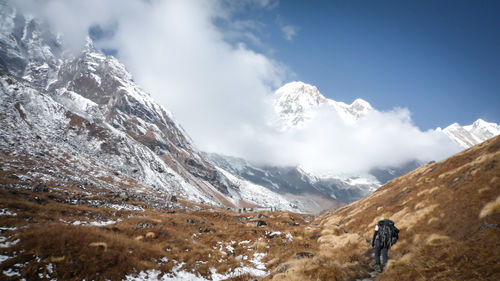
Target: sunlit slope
(448,214)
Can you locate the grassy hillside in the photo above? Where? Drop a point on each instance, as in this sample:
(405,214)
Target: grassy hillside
(448,214)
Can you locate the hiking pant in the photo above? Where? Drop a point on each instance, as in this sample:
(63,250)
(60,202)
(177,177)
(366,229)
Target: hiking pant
(378,250)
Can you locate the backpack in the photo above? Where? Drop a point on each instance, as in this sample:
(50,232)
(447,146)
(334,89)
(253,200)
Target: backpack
(388,233)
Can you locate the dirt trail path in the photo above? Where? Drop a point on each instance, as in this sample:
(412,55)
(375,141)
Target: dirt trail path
(373,276)
(369,267)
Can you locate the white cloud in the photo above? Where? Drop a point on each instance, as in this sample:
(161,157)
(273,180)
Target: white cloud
(222,93)
(288,32)
(326,143)
(72,18)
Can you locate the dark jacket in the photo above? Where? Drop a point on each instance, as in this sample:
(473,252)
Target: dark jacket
(395,234)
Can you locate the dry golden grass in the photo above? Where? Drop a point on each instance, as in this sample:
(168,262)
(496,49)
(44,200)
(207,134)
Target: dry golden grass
(490,208)
(195,238)
(449,225)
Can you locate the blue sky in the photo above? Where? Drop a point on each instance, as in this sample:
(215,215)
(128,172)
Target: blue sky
(440,59)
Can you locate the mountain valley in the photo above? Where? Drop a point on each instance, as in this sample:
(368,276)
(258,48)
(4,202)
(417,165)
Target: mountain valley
(98,181)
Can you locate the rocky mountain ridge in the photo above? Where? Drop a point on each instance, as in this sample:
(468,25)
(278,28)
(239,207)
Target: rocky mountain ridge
(86,111)
(470,135)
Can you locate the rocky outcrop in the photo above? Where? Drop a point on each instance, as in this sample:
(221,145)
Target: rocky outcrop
(88,108)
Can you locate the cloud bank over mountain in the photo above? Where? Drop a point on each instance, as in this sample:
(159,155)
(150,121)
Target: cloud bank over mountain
(379,139)
(222,92)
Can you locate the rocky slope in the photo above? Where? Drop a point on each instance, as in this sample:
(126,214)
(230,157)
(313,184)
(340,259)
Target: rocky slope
(85,110)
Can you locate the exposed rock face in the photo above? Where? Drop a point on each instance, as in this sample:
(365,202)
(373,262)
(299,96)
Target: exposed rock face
(126,107)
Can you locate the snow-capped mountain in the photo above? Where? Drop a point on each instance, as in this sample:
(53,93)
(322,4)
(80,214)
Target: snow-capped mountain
(296,103)
(468,136)
(85,118)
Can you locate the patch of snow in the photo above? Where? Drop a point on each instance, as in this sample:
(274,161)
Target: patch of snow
(176,275)
(4,258)
(156,275)
(6,212)
(103,223)
(127,207)
(50,268)
(11,272)
(9,244)
(5,228)
(257,260)
(93,223)
(96,78)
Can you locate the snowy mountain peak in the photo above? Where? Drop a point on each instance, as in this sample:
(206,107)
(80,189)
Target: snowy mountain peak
(361,105)
(299,94)
(296,103)
(470,135)
(480,124)
(484,130)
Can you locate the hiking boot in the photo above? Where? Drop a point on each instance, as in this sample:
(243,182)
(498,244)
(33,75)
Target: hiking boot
(378,268)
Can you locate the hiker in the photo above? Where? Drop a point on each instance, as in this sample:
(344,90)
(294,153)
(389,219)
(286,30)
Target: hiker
(386,234)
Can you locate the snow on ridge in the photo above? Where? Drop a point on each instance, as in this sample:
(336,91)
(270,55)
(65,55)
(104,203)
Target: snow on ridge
(297,102)
(470,135)
(118,71)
